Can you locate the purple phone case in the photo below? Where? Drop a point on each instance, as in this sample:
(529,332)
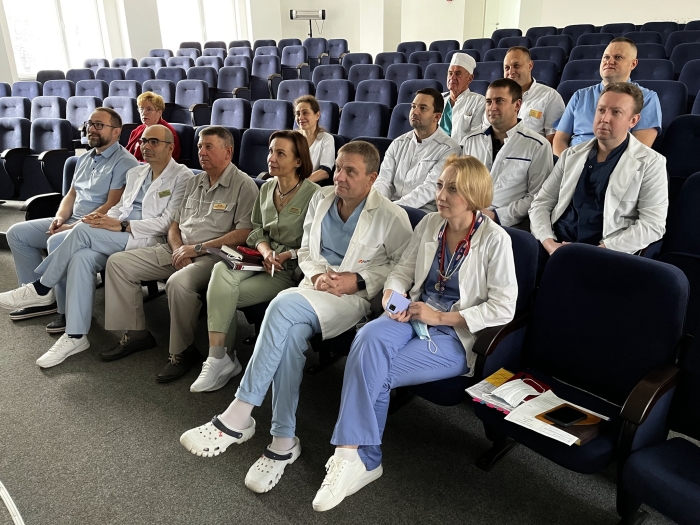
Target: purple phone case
(399,303)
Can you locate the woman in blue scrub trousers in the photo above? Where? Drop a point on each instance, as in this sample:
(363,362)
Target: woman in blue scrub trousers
(459,275)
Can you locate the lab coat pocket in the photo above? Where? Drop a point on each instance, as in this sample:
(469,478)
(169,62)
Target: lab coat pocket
(513,171)
(222,214)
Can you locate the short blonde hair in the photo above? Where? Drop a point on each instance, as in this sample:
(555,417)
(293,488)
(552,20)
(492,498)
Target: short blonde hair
(473,181)
(153,98)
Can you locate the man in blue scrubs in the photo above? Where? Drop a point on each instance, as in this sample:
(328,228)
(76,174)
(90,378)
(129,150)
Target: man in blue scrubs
(98,184)
(576,124)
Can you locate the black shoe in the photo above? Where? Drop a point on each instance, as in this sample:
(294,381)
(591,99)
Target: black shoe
(33,311)
(179,365)
(58,325)
(128,346)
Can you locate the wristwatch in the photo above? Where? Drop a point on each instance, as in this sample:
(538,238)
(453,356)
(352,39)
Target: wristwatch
(198,248)
(125,225)
(361,285)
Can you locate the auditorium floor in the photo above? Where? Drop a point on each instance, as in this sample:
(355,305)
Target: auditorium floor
(89,442)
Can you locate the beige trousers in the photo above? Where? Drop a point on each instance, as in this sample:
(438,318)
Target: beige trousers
(124,298)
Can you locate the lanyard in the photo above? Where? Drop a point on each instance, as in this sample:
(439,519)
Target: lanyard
(445,274)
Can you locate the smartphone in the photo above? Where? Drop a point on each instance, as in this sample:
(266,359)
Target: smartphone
(565,416)
(397,303)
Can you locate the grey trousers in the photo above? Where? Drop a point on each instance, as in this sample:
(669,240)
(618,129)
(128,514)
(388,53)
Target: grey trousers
(124,299)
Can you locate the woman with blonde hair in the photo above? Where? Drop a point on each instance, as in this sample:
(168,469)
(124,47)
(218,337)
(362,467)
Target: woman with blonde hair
(151,107)
(307,113)
(459,274)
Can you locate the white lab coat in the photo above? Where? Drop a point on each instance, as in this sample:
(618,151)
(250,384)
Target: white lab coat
(156,211)
(467,113)
(636,200)
(380,237)
(410,169)
(488,289)
(520,168)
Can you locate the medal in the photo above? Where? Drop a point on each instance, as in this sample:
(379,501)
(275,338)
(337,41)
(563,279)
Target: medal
(437,286)
(455,262)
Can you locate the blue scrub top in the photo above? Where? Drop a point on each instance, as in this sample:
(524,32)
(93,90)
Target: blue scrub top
(137,209)
(96,175)
(446,119)
(451,295)
(578,116)
(336,234)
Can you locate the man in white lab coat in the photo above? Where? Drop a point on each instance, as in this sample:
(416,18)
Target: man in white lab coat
(610,191)
(141,218)
(413,162)
(518,158)
(464,109)
(353,237)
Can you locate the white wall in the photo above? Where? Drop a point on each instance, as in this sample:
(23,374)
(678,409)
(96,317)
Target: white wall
(140,28)
(264,17)
(342,20)
(430,20)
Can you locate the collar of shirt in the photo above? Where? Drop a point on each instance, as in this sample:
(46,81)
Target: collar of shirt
(414,137)
(617,152)
(106,153)
(532,89)
(509,134)
(224,180)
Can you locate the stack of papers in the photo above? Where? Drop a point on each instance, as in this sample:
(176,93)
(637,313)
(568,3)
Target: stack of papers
(481,392)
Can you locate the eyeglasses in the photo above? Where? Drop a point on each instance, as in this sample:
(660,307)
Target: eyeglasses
(153,142)
(147,110)
(97,125)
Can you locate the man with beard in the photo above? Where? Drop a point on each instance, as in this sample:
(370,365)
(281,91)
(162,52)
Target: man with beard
(98,184)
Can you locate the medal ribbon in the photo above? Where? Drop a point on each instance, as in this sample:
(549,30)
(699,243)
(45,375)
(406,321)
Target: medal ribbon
(445,274)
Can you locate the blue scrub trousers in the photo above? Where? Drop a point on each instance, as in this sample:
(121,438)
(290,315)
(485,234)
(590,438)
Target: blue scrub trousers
(387,354)
(278,359)
(70,269)
(26,239)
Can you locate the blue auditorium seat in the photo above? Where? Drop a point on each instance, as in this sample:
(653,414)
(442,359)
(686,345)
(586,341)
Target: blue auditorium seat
(290,90)
(254,149)
(265,77)
(681,37)
(408,89)
(58,88)
(15,107)
(78,111)
(294,63)
(567,88)
(364,119)
(511,41)
(424,58)
(189,52)
(241,51)
(482,45)
(618,29)
(124,63)
(267,51)
(337,48)
(232,81)
(191,45)
(213,44)
(231,112)
(263,42)
(563,41)
(26,88)
(408,48)
(47,107)
(653,69)
(488,71)
(576,30)
(546,72)
(382,91)
(594,39)
(95,63)
(690,76)
(330,115)
(49,74)
(140,74)
(124,88)
(164,88)
(182,62)
(498,34)
(682,136)
(42,171)
(591,52)
(386,59)
(76,75)
(650,51)
(581,70)
(602,369)
(214,52)
(162,53)
(336,90)
(645,37)
(14,145)
(280,45)
(92,88)
(536,32)
(154,63)
(172,73)
(327,72)
(126,107)
(360,72)
(354,59)
(444,47)
(663,28)
(555,54)
(272,114)
(399,73)
(317,49)
(684,53)
(239,61)
(399,122)
(497,54)
(188,95)
(438,72)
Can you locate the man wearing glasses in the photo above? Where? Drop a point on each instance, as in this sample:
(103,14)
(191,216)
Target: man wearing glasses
(98,183)
(142,217)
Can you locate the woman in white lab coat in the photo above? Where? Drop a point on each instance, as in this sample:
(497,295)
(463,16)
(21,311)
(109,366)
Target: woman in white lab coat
(459,274)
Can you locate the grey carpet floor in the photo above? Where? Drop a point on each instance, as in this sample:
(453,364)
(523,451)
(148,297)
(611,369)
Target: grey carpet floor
(89,442)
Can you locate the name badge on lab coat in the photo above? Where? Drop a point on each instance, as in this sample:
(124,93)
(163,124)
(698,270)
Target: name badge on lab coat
(164,193)
(219,206)
(535,113)
(295,210)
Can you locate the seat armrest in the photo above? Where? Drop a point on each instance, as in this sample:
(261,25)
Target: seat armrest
(42,206)
(489,338)
(273,82)
(14,151)
(35,198)
(648,391)
(47,155)
(241,92)
(200,114)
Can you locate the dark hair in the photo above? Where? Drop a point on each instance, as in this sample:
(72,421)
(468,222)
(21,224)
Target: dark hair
(625,40)
(438,101)
(300,147)
(315,107)
(627,89)
(522,49)
(516,92)
(369,152)
(115,118)
(219,131)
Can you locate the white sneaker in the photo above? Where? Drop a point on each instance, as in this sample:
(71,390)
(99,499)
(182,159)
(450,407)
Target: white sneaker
(63,348)
(213,438)
(24,297)
(343,478)
(267,471)
(216,373)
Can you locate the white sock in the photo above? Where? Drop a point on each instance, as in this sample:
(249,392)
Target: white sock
(346,453)
(217,352)
(237,415)
(282,444)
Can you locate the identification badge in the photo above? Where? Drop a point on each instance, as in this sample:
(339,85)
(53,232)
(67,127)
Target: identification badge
(535,113)
(164,193)
(295,210)
(219,206)
(437,305)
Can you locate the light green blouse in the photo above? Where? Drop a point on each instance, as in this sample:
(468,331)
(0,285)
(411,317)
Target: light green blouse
(285,229)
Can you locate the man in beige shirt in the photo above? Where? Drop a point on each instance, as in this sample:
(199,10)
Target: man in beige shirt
(215,211)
